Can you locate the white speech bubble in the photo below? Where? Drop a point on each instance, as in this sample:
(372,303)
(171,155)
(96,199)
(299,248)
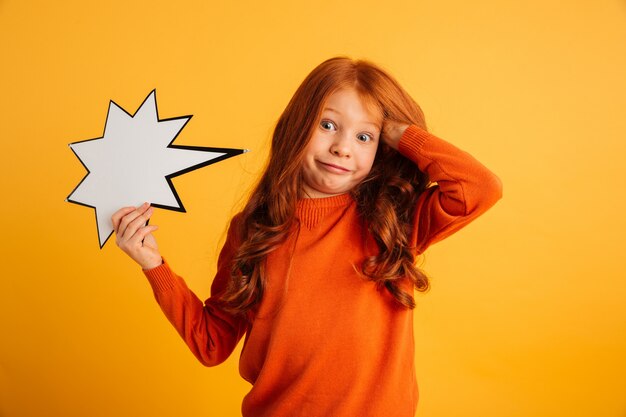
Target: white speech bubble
(134,162)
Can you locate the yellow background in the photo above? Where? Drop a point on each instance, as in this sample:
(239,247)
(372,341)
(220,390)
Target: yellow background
(526,316)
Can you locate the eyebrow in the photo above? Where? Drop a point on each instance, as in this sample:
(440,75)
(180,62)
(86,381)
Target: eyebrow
(338,112)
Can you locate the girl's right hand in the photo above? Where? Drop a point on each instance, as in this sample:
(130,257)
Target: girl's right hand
(134,237)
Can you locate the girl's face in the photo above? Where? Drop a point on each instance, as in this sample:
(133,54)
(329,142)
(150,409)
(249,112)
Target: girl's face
(343,146)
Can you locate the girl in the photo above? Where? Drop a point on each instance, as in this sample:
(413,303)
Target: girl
(318,270)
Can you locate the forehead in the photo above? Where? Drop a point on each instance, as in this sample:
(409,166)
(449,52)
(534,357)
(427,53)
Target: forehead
(349,102)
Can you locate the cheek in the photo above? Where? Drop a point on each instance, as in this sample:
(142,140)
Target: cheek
(309,155)
(312,150)
(367,160)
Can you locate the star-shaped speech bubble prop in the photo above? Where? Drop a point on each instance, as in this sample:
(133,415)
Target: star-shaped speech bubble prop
(135,161)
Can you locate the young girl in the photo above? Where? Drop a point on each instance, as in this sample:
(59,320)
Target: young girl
(318,270)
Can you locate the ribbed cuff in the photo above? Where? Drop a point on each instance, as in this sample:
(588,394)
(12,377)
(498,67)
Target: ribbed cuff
(412,141)
(161,278)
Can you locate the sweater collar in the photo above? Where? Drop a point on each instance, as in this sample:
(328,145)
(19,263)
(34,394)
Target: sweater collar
(311,210)
(325,202)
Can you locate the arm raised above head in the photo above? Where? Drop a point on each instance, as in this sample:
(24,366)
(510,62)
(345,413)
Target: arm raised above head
(464,187)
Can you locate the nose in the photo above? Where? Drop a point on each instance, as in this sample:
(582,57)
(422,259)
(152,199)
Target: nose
(340,146)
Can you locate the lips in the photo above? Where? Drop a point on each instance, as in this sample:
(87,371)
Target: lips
(334,168)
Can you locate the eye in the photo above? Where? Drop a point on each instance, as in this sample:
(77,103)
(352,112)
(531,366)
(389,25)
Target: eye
(328,125)
(364,137)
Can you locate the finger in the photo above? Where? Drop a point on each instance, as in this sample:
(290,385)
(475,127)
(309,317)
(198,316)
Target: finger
(137,223)
(128,218)
(150,241)
(117,216)
(141,234)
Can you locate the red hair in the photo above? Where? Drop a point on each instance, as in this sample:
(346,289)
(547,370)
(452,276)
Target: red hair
(385,198)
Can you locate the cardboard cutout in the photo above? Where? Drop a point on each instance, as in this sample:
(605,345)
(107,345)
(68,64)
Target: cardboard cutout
(134,162)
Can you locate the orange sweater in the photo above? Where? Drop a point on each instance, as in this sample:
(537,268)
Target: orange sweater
(325,342)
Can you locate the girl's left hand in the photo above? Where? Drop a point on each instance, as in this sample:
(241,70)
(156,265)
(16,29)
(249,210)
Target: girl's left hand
(392,132)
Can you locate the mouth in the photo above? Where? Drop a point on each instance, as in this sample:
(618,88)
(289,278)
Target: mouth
(334,168)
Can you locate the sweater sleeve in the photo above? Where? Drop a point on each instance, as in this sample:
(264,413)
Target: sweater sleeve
(464,187)
(208,331)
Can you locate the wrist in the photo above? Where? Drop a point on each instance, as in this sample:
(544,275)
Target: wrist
(146,266)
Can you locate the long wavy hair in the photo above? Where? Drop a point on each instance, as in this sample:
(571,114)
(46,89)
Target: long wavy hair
(385,198)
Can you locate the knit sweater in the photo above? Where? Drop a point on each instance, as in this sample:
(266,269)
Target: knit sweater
(324,340)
